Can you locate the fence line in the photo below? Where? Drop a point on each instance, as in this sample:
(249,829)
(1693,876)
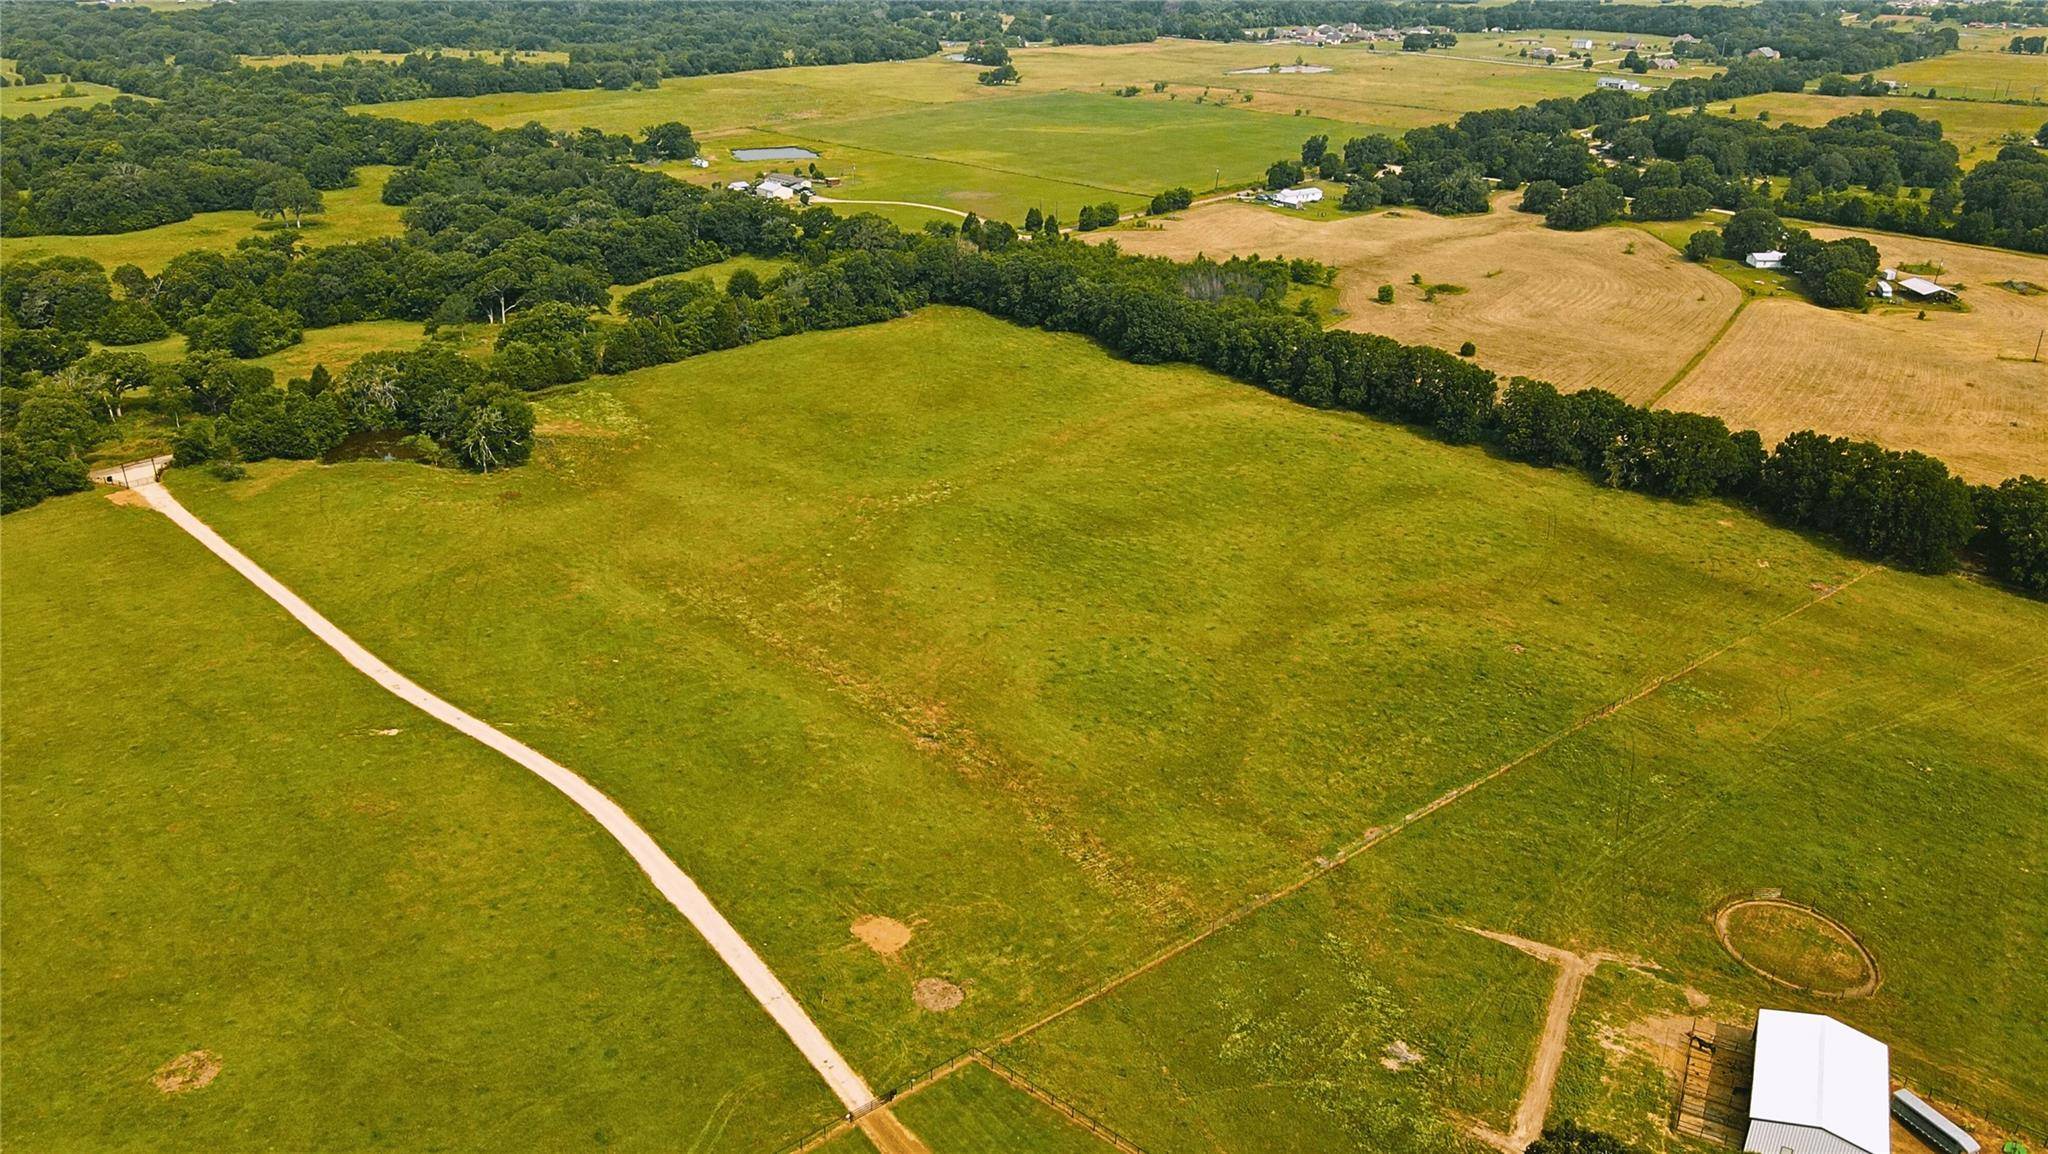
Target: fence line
(973,1056)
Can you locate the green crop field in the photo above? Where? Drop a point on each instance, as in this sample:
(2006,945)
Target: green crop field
(385,937)
(1057,660)
(356,213)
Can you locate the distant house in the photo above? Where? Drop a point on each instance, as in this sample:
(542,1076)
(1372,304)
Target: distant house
(1296,197)
(789,181)
(1769,258)
(1685,38)
(1582,44)
(1818,1087)
(1629,45)
(1544,54)
(699,162)
(1620,84)
(770,190)
(1766,53)
(1664,63)
(739,186)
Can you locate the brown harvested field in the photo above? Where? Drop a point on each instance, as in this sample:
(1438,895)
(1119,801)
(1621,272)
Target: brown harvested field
(1577,309)
(1958,385)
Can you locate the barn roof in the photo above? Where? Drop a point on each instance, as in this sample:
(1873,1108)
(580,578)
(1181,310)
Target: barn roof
(1814,1071)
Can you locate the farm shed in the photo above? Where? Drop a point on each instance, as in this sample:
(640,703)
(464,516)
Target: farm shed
(1930,1126)
(1819,1087)
(1297,197)
(1769,258)
(1920,288)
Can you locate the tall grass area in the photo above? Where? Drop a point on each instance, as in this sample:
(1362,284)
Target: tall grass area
(352,214)
(219,837)
(1056,658)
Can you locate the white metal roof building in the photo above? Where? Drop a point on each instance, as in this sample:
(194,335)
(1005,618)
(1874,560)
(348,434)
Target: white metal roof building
(1819,1087)
(1297,197)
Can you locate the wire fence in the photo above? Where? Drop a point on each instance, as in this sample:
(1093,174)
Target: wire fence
(1015,1077)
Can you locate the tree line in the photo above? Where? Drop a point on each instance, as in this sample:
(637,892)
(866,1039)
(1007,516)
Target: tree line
(1890,169)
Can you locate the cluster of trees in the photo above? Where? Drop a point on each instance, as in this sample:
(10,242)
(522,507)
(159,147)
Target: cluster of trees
(2028,45)
(1853,170)
(1171,200)
(1567,1137)
(1834,273)
(129,164)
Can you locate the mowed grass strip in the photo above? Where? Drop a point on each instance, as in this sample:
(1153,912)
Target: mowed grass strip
(973,1111)
(1050,657)
(352,214)
(221,838)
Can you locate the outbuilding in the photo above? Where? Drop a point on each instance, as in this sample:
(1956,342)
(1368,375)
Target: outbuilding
(1930,1125)
(1920,288)
(1819,1087)
(1769,258)
(1297,197)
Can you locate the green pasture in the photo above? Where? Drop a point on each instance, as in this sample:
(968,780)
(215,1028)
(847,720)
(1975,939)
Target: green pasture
(43,99)
(1980,71)
(219,837)
(352,214)
(976,1112)
(1055,658)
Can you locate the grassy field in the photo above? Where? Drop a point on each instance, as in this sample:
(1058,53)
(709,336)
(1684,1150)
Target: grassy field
(1980,71)
(221,838)
(924,131)
(1619,309)
(974,1112)
(1056,660)
(352,214)
(43,99)
(1975,127)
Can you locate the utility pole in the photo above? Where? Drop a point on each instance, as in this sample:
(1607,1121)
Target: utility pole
(2037,344)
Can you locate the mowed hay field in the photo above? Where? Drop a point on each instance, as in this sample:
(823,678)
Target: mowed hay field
(352,214)
(220,838)
(1960,385)
(1055,659)
(1581,310)
(1576,309)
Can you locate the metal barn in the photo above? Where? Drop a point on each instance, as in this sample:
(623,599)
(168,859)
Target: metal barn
(1819,1087)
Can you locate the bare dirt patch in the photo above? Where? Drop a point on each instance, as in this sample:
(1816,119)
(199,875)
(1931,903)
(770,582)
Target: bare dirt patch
(936,995)
(192,1070)
(128,497)
(1400,1055)
(1798,947)
(885,936)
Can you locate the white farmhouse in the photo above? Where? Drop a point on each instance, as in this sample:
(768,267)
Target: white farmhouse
(1297,197)
(1769,258)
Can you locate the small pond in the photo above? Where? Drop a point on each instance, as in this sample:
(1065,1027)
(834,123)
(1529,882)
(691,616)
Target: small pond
(782,152)
(374,445)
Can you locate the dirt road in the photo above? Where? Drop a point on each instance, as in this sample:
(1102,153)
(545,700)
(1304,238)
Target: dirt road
(674,884)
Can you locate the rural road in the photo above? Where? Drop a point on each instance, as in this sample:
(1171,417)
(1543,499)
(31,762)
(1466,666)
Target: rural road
(669,878)
(897,203)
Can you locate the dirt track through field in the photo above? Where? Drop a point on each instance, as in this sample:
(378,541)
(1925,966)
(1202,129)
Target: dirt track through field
(1572,972)
(681,891)
(1378,834)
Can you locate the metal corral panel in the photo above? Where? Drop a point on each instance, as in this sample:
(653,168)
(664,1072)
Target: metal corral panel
(1785,1138)
(1930,1124)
